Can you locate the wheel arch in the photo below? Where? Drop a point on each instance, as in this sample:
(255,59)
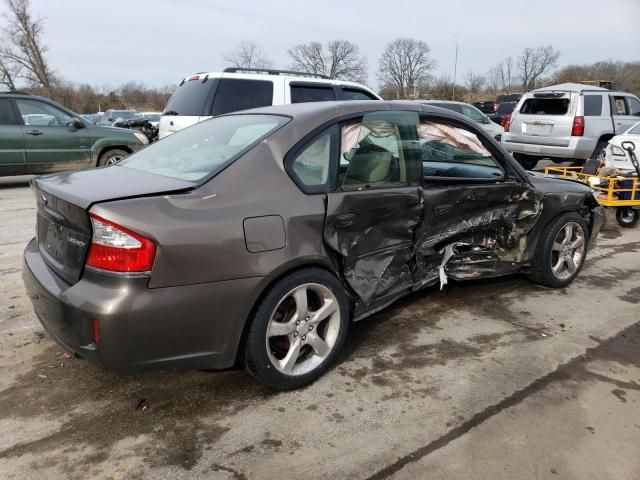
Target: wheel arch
(267,282)
(106,148)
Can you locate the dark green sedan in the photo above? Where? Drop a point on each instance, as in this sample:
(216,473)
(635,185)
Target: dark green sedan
(39,136)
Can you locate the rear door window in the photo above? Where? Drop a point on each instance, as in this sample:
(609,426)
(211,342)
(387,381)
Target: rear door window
(356,94)
(192,98)
(592,105)
(545,106)
(6,112)
(236,94)
(311,93)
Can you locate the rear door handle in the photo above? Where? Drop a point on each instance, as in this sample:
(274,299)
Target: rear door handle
(34,132)
(345,220)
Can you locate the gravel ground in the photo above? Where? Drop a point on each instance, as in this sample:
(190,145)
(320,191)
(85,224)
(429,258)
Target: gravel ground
(488,380)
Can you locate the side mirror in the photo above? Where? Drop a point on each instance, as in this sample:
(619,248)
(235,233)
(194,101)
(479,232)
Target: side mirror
(77,124)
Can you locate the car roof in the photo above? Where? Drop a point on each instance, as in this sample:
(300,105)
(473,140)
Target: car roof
(570,87)
(298,77)
(322,112)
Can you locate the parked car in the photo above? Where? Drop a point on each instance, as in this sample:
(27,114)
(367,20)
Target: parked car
(39,136)
(471,113)
(96,117)
(570,121)
(615,156)
(502,113)
(485,106)
(153,117)
(203,95)
(112,116)
(261,235)
(513,98)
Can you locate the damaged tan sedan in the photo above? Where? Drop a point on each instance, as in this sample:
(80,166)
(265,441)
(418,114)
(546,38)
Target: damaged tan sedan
(257,237)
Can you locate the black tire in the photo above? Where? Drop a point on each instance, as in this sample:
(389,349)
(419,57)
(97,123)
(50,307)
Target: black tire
(541,266)
(528,162)
(599,150)
(558,160)
(262,363)
(627,217)
(111,157)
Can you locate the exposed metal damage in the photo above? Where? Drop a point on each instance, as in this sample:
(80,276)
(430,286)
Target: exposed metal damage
(438,234)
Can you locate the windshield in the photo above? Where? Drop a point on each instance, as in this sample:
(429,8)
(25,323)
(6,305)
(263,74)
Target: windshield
(152,117)
(635,130)
(125,114)
(199,151)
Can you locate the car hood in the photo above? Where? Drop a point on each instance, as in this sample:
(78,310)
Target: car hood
(87,187)
(618,139)
(548,184)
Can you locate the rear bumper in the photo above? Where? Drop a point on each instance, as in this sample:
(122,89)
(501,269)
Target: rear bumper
(579,148)
(141,328)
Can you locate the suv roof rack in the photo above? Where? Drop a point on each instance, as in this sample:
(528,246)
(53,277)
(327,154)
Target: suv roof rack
(269,71)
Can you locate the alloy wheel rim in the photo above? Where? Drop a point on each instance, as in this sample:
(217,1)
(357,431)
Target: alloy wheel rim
(567,252)
(303,329)
(113,160)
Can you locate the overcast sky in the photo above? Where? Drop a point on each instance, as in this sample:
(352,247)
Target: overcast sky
(160,41)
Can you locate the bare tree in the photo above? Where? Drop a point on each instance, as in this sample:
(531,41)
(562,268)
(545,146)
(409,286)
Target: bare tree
(248,55)
(405,64)
(340,59)
(501,76)
(534,63)
(7,74)
(474,83)
(23,49)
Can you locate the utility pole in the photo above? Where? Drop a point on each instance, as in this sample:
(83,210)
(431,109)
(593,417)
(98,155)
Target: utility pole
(455,71)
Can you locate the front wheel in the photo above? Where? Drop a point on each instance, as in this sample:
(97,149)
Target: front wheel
(627,217)
(527,161)
(561,251)
(297,330)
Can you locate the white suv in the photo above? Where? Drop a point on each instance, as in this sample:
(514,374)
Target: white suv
(203,95)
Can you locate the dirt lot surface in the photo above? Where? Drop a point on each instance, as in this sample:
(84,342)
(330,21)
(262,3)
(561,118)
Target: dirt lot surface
(490,380)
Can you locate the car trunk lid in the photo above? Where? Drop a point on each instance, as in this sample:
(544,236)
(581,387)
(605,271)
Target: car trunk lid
(545,118)
(63,228)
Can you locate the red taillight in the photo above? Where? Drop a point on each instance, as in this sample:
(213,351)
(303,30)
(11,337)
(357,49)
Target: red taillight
(506,122)
(193,77)
(578,127)
(116,249)
(96,332)
(495,107)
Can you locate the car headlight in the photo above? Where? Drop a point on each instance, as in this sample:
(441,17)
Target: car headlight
(617,151)
(142,137)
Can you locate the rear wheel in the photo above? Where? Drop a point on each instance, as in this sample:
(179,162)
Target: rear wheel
(627,217)
(561,251)
(298,329)
(111,157)
(527,161)
(600,150)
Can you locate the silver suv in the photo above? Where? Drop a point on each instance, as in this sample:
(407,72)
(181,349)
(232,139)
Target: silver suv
(570,121)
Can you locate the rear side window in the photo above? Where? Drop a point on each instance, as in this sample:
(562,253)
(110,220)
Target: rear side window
(236,94)
(308,93)
(356,94)
(592,105)
(192,98)
(204,149)
(545,106)
(619,106)
(311,167)
(6,114)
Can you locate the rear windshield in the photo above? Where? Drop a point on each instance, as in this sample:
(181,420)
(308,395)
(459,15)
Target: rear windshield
(192,98)
(504,108)
(511,97)
(545,106)
(204,149)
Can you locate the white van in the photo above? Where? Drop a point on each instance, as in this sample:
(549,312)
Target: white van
(203,95)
